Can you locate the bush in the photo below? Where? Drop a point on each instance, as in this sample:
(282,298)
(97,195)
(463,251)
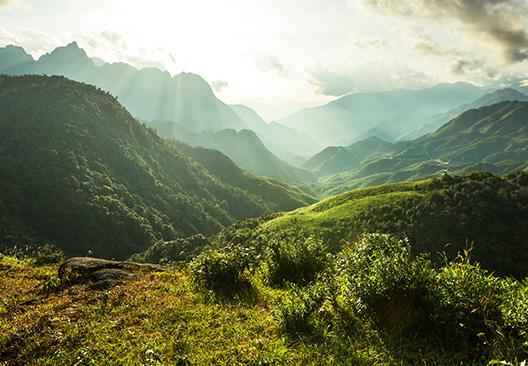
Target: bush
(48,254)
(221,271)
(295,259)
(297,312)
(477,311)
(380,279)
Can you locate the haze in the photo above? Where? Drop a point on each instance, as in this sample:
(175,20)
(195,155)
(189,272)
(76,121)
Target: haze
(278,56)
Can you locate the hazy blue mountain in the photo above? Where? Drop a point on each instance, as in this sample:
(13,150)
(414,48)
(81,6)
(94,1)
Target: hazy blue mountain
(386,114)
(287,143)
(149,94)
(491,138)
(244,147)
(438,121)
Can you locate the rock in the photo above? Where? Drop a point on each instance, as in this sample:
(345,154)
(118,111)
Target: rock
(102,273)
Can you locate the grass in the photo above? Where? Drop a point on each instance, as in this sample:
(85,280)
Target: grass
(160,319)
(338,218)
(156,319)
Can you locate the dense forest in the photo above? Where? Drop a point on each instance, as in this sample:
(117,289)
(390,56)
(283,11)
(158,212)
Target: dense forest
(78,171)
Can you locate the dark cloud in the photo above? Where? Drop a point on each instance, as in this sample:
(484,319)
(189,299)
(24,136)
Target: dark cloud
(344,79)
(463,66)
(219,85)
(501,21)
(271,63)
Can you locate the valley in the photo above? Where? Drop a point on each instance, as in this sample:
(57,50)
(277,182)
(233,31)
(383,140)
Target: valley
(148,217)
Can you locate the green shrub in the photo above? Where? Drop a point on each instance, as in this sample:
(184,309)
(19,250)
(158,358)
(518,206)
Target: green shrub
(478,312)
(48,254)
(221,271)
(294,258)
(297,311)
(380,279)
(514,309)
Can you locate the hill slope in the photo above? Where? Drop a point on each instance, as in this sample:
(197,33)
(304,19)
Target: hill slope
(449,213)
(79,171)
(336,159)
(501,95)
(149,94)
(244,147)
(492,138)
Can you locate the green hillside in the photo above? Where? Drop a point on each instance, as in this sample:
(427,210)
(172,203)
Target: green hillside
(80,172)
(435,122)
(491,138)
(336,159)
(284,197)
(244,147)
(449,213)
(271,293)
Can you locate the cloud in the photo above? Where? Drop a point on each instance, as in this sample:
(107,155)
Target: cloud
(270,63)
(115,39)
(4,2)
(32,40)
(367,41)
(500,21)
(425,45)
(219,85)
(343,79)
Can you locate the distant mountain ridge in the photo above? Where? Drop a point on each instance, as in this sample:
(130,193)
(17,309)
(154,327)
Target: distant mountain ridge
(491,98)
(388,114)
(150,94)
(492,138)
(277,137)
(335,159)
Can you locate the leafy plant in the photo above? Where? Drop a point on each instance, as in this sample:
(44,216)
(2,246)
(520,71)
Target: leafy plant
(295,258)
(221,271)
(48,254)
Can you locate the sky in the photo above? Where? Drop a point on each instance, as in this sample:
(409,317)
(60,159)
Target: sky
(285,54)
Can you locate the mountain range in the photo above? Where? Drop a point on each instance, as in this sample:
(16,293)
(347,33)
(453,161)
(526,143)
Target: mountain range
(151,94)
(494,97)
(491,138)
(80,172)
(388,115)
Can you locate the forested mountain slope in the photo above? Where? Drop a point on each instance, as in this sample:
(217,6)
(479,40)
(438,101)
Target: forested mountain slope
(244,147)
(79,171)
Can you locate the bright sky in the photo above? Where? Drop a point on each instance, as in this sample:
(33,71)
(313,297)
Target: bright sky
(287,52)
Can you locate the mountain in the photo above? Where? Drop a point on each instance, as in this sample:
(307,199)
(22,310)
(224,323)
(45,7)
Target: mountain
(492,138)
(80,172)
(482,210)
(149,94)
(224,169)
(336,159)
(244,147)
(287,143)
(386,114)
(438,121)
